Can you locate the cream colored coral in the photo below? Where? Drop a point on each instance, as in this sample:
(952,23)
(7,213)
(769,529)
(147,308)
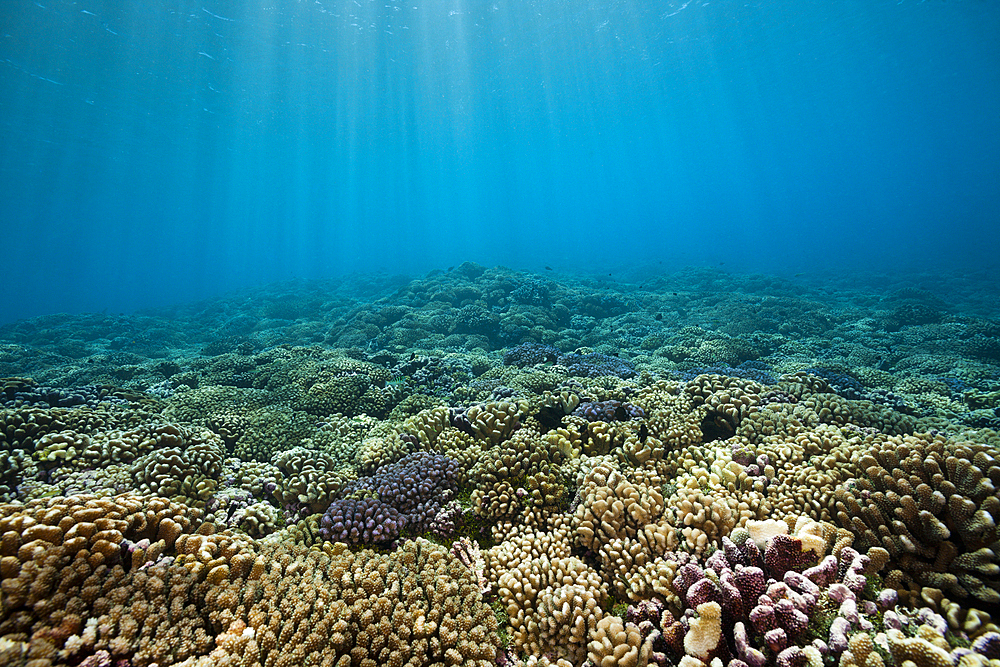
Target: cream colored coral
(931,503)
(654,578)
(495,421)
(566,617)
(563,399)
(670,415)
(922,651)
(63,446)
(703,637)
(529,592)
(704,518)
(567,440)
(638,451)
(602,438)
(427,424)
(764,530)
(730,399)
(615,644)
(377,451)
(521,544)
(861,652)
(615,507)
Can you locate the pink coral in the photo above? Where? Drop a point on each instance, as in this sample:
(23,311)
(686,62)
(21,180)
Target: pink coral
(751,656)
(99,659)
(751,582)
(793,656)
(784,553)
(823,574)
(776,639)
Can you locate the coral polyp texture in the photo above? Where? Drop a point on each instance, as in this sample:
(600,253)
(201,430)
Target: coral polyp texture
(486,467)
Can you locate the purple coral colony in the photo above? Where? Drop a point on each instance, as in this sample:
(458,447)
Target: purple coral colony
(487,467)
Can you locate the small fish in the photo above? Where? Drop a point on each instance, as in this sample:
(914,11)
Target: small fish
(395,383)
(548,268)
(659,317)
(215,15)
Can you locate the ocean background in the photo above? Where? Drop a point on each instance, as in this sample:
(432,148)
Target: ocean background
(158,152)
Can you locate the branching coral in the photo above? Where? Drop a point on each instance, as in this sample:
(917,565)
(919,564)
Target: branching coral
(618,519)
(933,505)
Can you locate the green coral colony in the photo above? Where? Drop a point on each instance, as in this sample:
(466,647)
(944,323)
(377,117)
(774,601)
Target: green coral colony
(491,468)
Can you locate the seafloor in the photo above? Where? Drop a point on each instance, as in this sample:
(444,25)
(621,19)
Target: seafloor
(484,466)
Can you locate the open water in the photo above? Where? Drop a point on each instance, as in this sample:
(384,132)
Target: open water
(156,152)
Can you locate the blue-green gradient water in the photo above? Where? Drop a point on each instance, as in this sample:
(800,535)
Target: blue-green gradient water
(154,152)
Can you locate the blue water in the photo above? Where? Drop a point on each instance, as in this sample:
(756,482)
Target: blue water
(154,152)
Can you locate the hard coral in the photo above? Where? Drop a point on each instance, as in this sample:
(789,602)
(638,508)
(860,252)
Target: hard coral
(609,411)
(364,521)
(933,505)
(416,486)
(529,354)
(414,606)
(595,365)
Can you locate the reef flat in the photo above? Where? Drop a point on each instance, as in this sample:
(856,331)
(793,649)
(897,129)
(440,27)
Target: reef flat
(492,467)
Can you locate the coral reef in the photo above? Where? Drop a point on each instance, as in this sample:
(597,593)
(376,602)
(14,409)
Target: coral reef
(486,468)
